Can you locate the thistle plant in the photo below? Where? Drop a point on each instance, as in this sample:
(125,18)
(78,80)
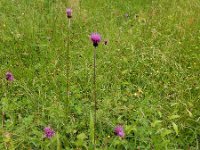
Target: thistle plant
(95,38)
(69,16)
(9,78)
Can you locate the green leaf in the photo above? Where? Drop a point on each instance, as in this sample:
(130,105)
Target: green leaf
(189,112)
(124,72)
(172,117)
(175,128)
(130,128)
(155,123)
(165,132)
(81,136)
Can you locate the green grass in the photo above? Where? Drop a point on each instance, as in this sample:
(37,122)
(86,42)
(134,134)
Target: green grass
(148,76)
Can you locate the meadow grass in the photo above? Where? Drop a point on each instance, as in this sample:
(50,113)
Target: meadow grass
(148,75)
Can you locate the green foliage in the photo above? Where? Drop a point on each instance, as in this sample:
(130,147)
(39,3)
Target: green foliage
(148,74)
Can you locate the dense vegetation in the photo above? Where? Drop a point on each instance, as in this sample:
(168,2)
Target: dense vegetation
(148,74)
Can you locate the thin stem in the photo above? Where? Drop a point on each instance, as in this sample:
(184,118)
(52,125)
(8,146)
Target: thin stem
(80,5)
(95,100)
(69,23)
(68,63)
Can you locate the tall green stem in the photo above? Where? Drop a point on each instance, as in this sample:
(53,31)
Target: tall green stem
(95,100)
(68,63)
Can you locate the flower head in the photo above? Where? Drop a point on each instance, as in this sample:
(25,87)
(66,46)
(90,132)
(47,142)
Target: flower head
(9,76)
(49,133)
(119,131)
(95,38)
(69,12)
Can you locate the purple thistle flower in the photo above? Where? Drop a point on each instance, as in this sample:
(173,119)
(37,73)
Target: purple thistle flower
(49,133)
(69,12)
(9,76)
(119,131)
(95,38)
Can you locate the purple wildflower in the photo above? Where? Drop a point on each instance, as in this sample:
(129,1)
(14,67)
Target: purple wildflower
(95,38)
(9,76)
(69,12)
(119,131)
(49,133)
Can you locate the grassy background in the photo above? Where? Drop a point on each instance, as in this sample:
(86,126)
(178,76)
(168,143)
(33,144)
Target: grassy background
(147,76)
